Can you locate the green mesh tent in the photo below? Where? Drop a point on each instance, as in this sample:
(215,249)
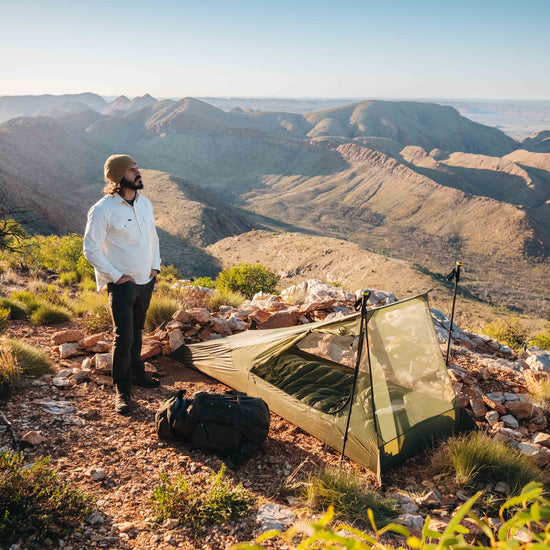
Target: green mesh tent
(305,374)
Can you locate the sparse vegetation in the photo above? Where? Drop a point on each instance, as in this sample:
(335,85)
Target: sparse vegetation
(168,273)
(9,371)
(17,309)
(68,278)
(348,494)
(160,310)
(248,279)
(4,318)
(541,340)
(224,297)
(93,308)
(538,385)
(527,528)
(50,314)
(475,459)
(197,501)
(206,282)
(511,331)
(31,361)
(35,504)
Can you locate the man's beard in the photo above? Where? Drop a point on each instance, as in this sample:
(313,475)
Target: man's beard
(134,185)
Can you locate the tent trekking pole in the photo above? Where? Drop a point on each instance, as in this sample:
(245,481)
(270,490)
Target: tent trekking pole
(362,329)
(454,274)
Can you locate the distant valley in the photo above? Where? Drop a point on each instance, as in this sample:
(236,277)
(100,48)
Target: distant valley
(413,181)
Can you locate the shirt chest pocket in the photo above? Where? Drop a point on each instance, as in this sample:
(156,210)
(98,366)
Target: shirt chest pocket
(126,231)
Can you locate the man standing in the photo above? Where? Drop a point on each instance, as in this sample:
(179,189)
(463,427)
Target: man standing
(121,243)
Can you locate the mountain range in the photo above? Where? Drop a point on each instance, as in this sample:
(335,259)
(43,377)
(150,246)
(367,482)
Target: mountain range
(410,180)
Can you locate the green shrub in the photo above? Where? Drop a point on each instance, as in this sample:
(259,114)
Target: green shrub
(168,273)
(68,278)
(205,282)
(529,517)
(248,279)
(349,495)
(224,297)
(18,310)
(9,371)
(197,501)
(31,301)
(84,268)
(160,311)
(475,459)
(541,340)
(538,385)
(93,308)
(35,504)
(31,361)
(87,284)
(50,314)
(4,318)
(509,331)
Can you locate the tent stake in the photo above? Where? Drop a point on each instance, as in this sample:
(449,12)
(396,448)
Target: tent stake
(454,274)
(362,303)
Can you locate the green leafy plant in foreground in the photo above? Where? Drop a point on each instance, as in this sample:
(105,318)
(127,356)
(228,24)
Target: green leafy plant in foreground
(528,528)
(197,502)
(35,504)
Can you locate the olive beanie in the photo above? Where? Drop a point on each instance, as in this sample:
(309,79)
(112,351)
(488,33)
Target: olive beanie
(116,165)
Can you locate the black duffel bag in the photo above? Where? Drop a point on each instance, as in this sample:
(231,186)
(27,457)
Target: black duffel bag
(231,424)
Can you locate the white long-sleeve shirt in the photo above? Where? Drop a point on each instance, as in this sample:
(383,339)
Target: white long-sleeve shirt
(121,239)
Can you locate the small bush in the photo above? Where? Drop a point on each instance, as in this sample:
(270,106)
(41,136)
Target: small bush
(349,495)
(248,279)
(35,504)
(475,459)
(18,310)
(93,308)
(31,301)
(160,310)
(68,278)
(4,318)
(197,502)
(87,284)
(509,331)
(30,360)
(205,282)
(538,385)
(224,297)
(168,273)
(9,371)
(541,340)
(50,314)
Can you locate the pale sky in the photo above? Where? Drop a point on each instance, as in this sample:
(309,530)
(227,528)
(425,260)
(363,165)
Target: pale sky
(277,48)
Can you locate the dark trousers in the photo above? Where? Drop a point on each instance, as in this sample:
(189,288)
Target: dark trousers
(128,303)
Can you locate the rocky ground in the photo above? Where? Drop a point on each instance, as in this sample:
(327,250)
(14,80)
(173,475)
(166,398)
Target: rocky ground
(69,416)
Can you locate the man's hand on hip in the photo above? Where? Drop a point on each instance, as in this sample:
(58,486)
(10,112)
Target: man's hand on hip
(154,273)
(125,279)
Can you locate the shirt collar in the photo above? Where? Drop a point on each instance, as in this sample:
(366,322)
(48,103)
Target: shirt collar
(120,200)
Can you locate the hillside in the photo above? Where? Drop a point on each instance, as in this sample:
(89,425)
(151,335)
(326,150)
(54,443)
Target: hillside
(413,181)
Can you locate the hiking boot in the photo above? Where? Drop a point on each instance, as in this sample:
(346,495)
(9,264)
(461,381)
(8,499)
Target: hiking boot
(123,402)
(145,381)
